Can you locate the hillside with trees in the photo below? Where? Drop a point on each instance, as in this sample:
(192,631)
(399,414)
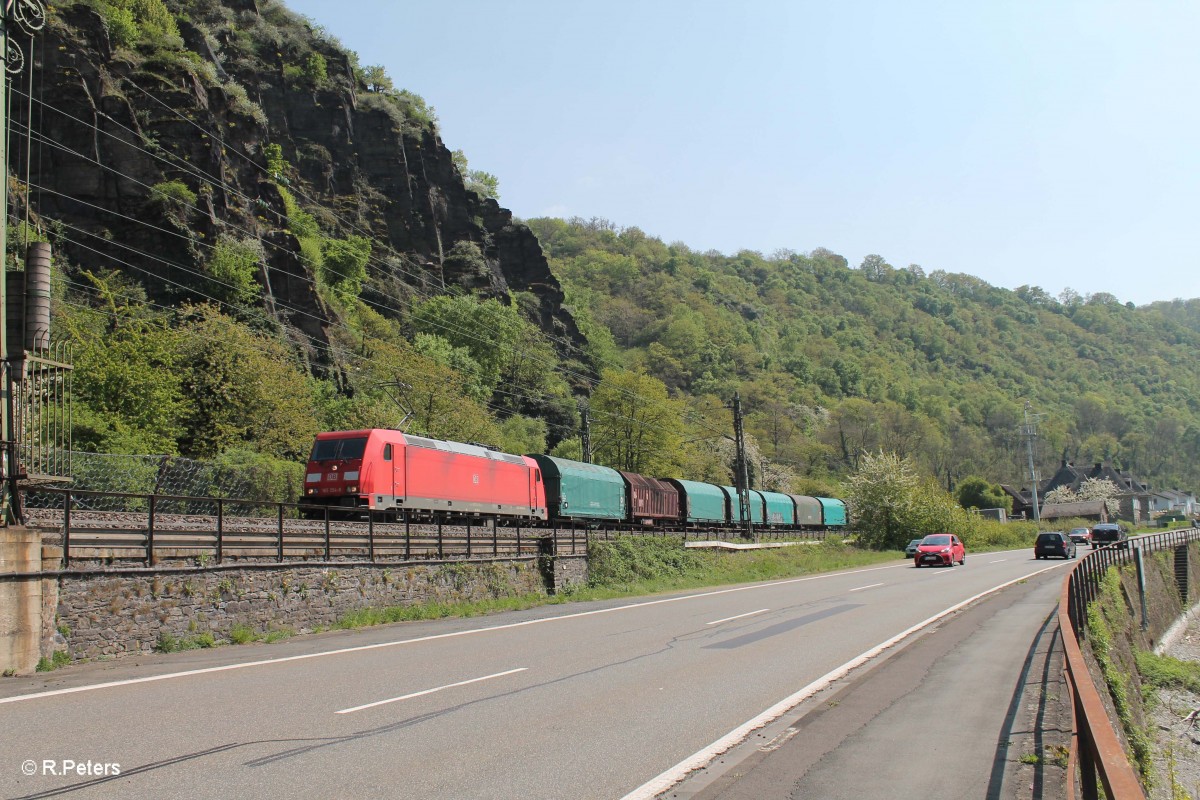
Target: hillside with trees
(835,361)
(257,237)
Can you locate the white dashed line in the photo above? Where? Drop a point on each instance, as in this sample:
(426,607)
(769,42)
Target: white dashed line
(429,691)
(739,616)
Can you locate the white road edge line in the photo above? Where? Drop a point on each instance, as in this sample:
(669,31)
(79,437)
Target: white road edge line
(868,586)
(429,691)
(998,560)
(359,648)
(739,616)
(657,785)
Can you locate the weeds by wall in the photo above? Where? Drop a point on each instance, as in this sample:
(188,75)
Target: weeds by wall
(1117,646)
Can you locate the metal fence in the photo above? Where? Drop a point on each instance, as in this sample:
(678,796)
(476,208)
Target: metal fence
(152,527)
(1097,749)
(109,475)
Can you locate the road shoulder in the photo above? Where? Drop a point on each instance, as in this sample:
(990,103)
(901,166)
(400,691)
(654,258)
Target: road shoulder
(957,712)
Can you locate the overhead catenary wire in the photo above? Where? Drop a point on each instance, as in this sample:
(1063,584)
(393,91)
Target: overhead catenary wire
(239,307)
(178,163)
(349,355)
(441,324)
(567,343)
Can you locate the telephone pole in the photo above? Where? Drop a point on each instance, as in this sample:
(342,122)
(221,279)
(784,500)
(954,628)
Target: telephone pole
(6,422)
(1029,431)
(741,472)
(585,432)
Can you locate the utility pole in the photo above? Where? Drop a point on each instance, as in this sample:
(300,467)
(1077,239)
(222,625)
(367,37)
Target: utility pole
(6,422)
(741,475)
(585,432)
(1029,431)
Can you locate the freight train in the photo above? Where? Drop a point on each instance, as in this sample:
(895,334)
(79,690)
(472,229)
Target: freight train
(402,475)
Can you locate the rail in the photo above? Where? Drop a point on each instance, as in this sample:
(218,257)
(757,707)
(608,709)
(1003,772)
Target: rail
(154,527)
(1096,747)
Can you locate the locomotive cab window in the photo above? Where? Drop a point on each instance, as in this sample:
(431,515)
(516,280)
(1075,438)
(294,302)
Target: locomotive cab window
(387,452)
(329,449)
(537,476)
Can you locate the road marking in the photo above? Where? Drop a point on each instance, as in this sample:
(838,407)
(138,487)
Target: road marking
(432,637)
(739,616)
(700,759)
(868,586)
(429,691)
(997,561)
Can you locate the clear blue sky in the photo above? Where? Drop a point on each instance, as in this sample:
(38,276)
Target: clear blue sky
(1046,143)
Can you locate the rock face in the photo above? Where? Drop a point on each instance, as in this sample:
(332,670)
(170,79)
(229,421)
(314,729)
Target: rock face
(111,123)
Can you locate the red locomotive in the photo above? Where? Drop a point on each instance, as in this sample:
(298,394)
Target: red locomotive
(386,470)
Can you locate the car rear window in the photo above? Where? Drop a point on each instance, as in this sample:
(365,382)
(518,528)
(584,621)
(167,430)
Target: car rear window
(1044,538)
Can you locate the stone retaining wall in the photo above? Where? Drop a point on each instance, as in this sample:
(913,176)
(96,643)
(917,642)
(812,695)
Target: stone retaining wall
(570,571)
(111,615)
(105,608)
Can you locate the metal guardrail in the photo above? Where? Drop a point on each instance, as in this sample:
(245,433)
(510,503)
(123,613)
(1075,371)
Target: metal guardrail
(1097,748)
(157,527)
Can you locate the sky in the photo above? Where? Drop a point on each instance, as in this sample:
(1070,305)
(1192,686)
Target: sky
(1046,143)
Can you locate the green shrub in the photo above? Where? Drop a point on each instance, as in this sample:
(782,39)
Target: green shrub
(240,103)
(630,559)
(315,69)
(241,634)
(235,263)
(1165,671)
(344,264)
(167,643)
(123,30)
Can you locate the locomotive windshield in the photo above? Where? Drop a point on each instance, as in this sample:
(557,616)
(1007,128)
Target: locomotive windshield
(330,449)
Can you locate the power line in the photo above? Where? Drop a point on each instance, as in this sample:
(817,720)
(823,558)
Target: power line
(207,177)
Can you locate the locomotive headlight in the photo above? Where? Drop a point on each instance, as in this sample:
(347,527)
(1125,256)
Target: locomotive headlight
(352,489)
(334,468)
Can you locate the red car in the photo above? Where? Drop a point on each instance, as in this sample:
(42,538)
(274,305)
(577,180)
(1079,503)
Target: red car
(941,549)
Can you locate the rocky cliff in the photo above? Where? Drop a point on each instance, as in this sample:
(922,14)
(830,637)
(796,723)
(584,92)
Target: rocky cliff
(195,102)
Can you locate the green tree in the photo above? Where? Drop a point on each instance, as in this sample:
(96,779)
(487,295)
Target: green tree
(636,426)
(126,387)
(891,504)
(484,183)
(976,492)
(521,435)
(508,348)
(456,358)
(241,389)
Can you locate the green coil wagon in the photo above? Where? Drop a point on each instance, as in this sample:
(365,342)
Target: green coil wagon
(579,491)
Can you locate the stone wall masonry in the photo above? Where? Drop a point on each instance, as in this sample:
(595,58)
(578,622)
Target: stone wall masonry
(106,615)
(570,571)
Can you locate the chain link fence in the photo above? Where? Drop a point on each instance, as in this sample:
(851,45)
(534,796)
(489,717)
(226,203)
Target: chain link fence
(244,476)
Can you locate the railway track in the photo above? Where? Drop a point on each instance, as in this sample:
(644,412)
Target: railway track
(116,538)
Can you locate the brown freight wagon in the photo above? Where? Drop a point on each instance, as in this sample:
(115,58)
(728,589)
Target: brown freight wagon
(650,500)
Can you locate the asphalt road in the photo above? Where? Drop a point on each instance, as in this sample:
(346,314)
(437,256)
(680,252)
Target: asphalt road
(595,700)
(960,711)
